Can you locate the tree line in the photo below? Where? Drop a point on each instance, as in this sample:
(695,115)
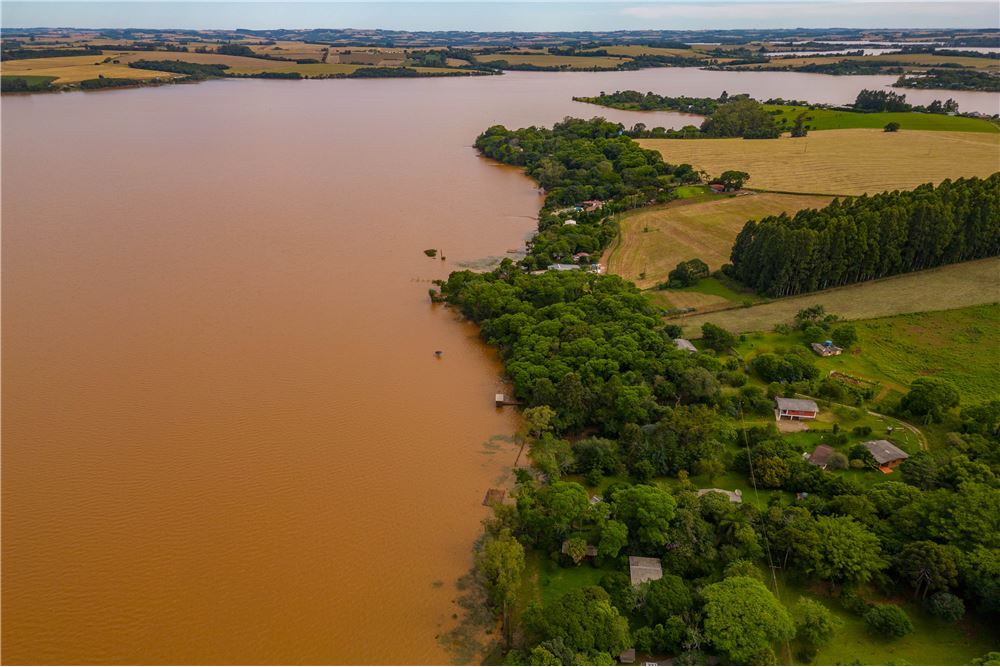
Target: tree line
(869,237)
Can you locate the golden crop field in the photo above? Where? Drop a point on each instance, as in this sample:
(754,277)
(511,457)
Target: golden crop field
(944,288)
(652,241)
(841,162)
(546,60)
(73,69)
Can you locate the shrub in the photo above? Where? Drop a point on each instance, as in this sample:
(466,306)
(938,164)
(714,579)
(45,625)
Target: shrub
(861,431)
(837,462)
(946,606)
(888,620)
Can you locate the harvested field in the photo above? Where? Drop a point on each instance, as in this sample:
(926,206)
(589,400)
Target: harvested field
(74,69)
(545,60)
(913,61)
(947,287)
(234,62)
(842,162)
(654,240)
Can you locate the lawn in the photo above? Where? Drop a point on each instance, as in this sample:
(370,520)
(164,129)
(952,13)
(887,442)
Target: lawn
(833,119)
(933,642)
(34,82)
(842,162)
(943,288)
(957,345)
(652,241)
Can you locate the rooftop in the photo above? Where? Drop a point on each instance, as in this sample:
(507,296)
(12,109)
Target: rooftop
(884,451)
(821,455)
(684,344)
(643,569)
(799,404)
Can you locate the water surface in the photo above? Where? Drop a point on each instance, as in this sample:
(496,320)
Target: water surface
(226,436)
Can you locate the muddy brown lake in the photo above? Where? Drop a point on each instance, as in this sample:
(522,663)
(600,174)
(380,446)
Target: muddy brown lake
(226,436)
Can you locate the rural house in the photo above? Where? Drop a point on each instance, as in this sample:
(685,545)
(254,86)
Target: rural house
(642,569)
(796,408)
(820,456)
(826,349)
(886,454)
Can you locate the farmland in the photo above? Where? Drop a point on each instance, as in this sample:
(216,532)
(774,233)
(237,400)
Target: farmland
(828,162)
(910,60)
(953,286)
(549,60)
(834,119)
(652,241)
(74,69)
(953,344)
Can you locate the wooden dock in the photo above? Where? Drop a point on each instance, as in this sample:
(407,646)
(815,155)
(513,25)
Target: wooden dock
(502,400)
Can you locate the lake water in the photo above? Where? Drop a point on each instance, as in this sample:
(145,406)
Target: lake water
(226,436)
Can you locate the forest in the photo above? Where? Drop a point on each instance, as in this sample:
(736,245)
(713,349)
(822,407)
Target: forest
(953,79)
(609,396)
(869,237)
(578,161)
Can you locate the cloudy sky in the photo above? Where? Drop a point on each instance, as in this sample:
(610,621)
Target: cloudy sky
(503,16)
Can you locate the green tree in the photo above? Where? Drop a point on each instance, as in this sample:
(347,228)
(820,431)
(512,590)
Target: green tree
(614,536)
(814,626)
(647,511)
(501,561)
(585,620)
(664,598)
(929,566)
(743,618)
(716,338)
(842,551)
(844,336)
(576,548)
(892,127)
(930,398)
(733,180)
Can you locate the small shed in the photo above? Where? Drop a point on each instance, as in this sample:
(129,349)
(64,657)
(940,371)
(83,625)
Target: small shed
(563,267)
(885,453)
(734,496)
(685,344)
(642,569)
(569,222)
(627,657)
(796,408)
(717,187)
(821,456)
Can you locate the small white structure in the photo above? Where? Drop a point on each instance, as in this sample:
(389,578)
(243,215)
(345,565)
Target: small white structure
(685,344)
(734,496)
(569,222)
(564,267)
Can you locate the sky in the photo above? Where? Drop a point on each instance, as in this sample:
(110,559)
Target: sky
(502,16)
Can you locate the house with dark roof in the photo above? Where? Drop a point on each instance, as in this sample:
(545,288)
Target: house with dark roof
(886,454)
(796,408)
(821,456)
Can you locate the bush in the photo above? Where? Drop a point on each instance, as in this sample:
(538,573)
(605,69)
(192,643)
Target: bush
(837,462)
(854,603)
(888,620)
(861,431)
(946,606)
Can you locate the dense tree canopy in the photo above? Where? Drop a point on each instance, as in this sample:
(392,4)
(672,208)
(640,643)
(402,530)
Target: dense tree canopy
(870,237)
(743,619)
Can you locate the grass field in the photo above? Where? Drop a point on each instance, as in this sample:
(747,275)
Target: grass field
(652,241)
(832,119)
(947,287)
(957,345)
(34,82)
(639,49)
(844,162)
